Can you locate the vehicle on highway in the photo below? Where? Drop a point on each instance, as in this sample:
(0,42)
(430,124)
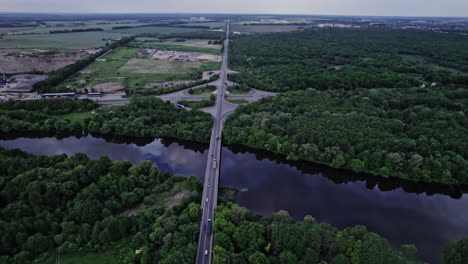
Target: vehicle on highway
(214,164)
(208,226)
(180,106)
(206,252)
(217,138)
(206,200)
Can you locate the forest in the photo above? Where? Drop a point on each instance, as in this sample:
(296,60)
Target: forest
(243,237)
(77,205)
(416,134)
(456,252)
(348,59)
(145,116)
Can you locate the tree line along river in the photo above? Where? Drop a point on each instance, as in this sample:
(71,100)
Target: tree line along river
(427,215)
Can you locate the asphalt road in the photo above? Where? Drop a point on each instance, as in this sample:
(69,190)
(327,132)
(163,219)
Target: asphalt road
(210,187)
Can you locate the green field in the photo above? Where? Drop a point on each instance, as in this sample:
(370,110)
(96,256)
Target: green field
(209,24)
(108,71)
(158,66)
(264,28)
(205,90)
(197,104)
(189,45)
(75,116)
(238,101)
(80,40)
(120,66)
(45,30)
(237,90)
(121,53)
(167,46)
(158,30)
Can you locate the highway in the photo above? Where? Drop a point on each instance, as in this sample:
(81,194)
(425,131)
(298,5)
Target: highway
(211,181)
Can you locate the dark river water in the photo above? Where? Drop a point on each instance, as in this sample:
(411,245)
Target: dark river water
(429,216)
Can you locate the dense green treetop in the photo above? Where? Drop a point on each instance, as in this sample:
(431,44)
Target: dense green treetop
(77,204)
(145,116)
(456,252)
(418,134)
(243,237)
(348,59)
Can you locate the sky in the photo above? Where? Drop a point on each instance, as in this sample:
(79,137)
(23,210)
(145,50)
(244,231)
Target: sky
(319,7)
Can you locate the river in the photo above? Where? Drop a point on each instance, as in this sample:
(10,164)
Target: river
(429,216)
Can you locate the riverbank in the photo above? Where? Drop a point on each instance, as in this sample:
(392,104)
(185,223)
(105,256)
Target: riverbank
(404,213)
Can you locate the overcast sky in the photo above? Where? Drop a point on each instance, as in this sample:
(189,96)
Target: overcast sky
(328,7)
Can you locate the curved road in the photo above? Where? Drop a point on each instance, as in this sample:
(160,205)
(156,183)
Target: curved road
(210,187)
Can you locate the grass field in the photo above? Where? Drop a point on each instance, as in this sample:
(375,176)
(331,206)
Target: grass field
(75,116)
(120,66)
(158,30)
(190,45)
(15,29)
(108,71)
(197,104)
(158,66)
(209,24)
(80,40)
(163,46)
(234,90)
(238,101)
(121,53)
(264,28)
(45,30)
(205,90)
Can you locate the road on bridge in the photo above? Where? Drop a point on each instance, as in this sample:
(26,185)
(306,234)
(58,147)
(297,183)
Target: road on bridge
(210,187)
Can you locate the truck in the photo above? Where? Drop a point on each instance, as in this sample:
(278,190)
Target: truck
(208,226)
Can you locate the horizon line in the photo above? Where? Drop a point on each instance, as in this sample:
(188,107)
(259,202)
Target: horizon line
(213,13)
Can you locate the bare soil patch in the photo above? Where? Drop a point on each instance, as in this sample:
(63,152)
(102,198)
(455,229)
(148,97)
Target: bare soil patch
(108,87)
(23,82)
(175,200)
(19,60)
(165,84)
(184,56)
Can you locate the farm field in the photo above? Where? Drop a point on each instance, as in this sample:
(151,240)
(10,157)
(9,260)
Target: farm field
(120,69)
(82,40)
(193,45)
(163,46)
(264,28)
(209,24)
(153,30)
(158,66)
(45,30)
(4,30)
